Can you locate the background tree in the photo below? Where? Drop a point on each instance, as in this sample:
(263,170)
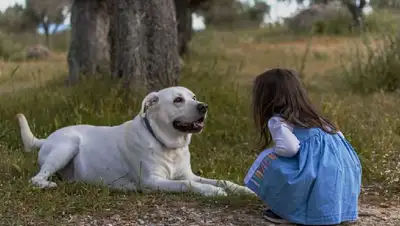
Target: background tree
(258,11)
(46,13)
(89,45)
(229,14)
(15,19)
(355,7)
(184,24)
(144,43)
(388,4)
(184,10)
(140,35)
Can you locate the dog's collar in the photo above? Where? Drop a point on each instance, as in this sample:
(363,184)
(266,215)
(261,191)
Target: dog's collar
(148,126)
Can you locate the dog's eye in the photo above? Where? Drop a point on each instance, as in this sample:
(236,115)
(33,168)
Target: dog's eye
(178,100)
(194,98)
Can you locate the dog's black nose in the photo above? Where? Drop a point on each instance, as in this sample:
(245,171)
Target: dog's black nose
(202,108)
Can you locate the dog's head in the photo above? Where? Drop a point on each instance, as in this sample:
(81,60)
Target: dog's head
(174,113)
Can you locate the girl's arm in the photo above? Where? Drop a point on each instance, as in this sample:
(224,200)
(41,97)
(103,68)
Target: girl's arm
(286,143)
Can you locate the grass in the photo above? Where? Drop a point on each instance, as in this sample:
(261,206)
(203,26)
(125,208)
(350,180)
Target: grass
(219,75)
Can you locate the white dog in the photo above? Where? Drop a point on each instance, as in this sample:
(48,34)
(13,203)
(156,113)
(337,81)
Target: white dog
(148,153)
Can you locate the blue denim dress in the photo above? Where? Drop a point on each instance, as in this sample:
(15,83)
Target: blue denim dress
(320,185)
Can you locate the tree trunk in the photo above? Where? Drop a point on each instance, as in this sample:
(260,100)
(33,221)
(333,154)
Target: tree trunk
(184,21)
(55,29)
(128,42)
(45,26)
(144,43)
(162,43)
(356,12)
(89,50)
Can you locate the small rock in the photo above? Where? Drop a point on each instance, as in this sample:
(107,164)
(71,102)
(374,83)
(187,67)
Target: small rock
(115,217)
(38,52)
(140,221)
(384,205)
(160,213)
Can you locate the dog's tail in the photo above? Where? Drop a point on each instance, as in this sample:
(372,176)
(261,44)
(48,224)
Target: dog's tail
(28,139)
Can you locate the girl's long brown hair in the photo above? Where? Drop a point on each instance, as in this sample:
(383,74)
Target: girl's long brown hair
(280,91)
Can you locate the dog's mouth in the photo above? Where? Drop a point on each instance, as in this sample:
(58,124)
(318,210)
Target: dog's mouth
(190,127)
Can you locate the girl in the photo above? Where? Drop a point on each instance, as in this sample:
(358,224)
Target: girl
(312,175)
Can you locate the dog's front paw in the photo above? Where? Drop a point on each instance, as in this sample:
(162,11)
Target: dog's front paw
(244,190)
(210,190)
(41,183)
(235,188)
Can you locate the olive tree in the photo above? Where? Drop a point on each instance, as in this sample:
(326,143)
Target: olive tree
(134,40)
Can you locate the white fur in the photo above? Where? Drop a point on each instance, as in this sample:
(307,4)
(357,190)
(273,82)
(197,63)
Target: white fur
(127,156)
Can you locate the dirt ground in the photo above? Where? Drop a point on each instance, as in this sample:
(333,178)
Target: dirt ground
(185,214)
(374,210)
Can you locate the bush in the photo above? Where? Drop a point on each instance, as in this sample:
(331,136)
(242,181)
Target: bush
(60,41)
(337,26)
(376,22)
(328,20)
(13,46)
(376,68)
(382,21)
(8,47)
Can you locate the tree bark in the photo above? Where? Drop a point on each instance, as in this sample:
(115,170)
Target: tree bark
(144,43)
(184,22)
(127,42)
(162,44)
(89,50)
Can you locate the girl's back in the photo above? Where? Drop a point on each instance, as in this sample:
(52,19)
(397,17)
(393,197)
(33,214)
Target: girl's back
(324,179)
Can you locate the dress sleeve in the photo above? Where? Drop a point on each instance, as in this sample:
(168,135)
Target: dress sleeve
(341,134)
(286,143)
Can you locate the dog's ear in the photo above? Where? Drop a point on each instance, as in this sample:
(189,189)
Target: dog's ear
(150,100)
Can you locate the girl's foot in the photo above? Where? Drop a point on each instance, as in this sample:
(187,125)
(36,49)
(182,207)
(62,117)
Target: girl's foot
(272,217)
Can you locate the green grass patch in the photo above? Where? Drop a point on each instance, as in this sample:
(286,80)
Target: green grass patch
(224,150)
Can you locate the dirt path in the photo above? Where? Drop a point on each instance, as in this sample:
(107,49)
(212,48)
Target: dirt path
(186,214)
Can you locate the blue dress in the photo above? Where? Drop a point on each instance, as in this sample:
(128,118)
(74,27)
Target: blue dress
(320,185)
